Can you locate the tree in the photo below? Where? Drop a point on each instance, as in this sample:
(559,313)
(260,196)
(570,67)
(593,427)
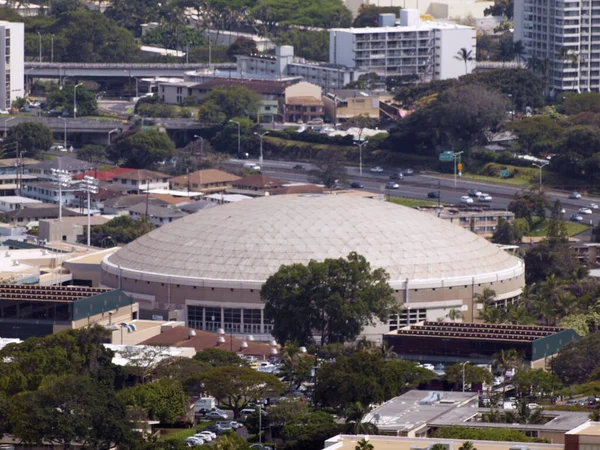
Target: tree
(235,387)
(361,122)
(173,36)
(310,44)
(226,102)
(504,233)
(505,360)
(527,204)
(552,257)
(467,445)
(355,423)
(337,297)
(473,374)
(484,434)
(92,153)
(523,414)
(31,137)
(231,441)
(296,366)
(557,228)
(143,149)
(573,364)
(465,56)
(310,13)
(120,230)
(501,8)
(164,400)
(216,357)
(310,431)
(242,46)
(62,98)
(536,382)
(226,140)
(365,445)
(368,15)
(329,171)
(131,14)
(438,446)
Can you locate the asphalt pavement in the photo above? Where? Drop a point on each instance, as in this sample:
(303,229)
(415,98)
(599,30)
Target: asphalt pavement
(417,186)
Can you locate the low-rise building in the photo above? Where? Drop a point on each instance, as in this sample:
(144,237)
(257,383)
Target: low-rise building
(138,181)
(158,215)
(68,163)
(260,185)
(343,104)
(303,103)
(208,180)
(478,220)
(49,192)
(14,202)
(34,214)
(584,437)
(69,229)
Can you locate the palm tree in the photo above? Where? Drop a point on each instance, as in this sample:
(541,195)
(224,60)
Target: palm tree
(464,55)
(506,359)
(519,52)
(454,315)
(355,414)
(467,445)
(363,445)
(524,415)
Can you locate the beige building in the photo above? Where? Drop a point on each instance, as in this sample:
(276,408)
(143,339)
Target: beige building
(207,181)
(478,220)
(584,437)
(303,103)
(344,104)
(208,268)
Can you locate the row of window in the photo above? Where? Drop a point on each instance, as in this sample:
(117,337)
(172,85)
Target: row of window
(232,320)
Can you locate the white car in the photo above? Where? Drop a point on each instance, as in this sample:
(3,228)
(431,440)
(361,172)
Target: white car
(251,166)
(585,211)
(484,198)
(533,406)
(376,169)
(593,205)
(204,435)
(466,199)
(194,441)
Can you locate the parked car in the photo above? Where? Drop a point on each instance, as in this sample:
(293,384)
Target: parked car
(484,198)
(533,406)
(406,172)
(223,426)
(474,193)
(593,205)
(585,211)
(571,402)
(466,199)
(433,194)
(58,147)
(235,425)
(376,169)
(212,428)
(194,441)
(576,218)
(298,167)
(204,435)
(212,434)
(397,176)
(575,195)
(392,185)
(216,414)
(260,447)
(356,185)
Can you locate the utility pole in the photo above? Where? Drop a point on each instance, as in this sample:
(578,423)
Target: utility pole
(260,159)
(89,185)
(541,165)
(456,156)
(239,138)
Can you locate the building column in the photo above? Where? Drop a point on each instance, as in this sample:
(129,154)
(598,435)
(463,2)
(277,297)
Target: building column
(262,321)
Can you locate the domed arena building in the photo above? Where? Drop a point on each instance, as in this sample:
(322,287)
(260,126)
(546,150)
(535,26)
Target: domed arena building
(208,267)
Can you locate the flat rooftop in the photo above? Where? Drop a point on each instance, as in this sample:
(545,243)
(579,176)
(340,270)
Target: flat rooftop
(18,199)
(587,429)
(416,409)
(348,442)
(480,331)
(561,421)
(423,26)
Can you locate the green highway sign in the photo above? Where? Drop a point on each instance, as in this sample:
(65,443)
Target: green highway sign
(446,157)
(504,173)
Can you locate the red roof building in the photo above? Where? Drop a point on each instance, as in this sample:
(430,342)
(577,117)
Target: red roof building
(103,175)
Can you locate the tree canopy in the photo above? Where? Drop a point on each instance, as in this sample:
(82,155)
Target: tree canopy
(573,364)
(142,150)
(226,102)
(120,230)
(63,99)
(31,137)
(335,297)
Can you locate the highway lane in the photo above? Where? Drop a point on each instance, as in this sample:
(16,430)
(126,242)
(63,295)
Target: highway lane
(417,186)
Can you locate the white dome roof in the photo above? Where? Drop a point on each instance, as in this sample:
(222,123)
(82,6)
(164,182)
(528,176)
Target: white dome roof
(249,241)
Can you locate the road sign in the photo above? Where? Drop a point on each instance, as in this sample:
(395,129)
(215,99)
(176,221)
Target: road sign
(504,173)
(459,166)
(446,157)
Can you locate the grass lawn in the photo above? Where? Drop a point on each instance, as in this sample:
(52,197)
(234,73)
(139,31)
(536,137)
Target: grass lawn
(182,433)
(515,181)
(410,202)
(540,228)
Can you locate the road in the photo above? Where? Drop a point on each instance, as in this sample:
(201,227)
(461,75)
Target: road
(417,186)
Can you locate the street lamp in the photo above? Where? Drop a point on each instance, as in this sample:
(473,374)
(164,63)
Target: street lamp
(65,132)
(463,367)
(260,159)
(5,122)
(360,147)
(111,132)
(75,99)
(52,49)
(89,185)
(239,137)
(201,143)
(62,178)
(40,35)
(456,155)
(541,166)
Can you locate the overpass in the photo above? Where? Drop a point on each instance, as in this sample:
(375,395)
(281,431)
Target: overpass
(114,70)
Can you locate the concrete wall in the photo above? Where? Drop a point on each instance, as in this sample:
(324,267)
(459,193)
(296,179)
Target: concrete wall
(303,89)
(51,230)
(341,48)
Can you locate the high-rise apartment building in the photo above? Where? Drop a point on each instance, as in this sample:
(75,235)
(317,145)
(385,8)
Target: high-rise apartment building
(423,51)
(12,55)
(561,40)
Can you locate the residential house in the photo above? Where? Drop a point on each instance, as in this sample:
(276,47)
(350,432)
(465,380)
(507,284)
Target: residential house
(72,165)
(103,175)
(35,214)
(260,185)
(303,103)
(14,202)
(158,215)
(96,200)
(138,181)
(120,205)
(208,181)
(48,192)
(343,104)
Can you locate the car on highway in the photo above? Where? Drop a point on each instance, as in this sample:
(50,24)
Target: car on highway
(407,172)
(593,205)
(484,198)
(397,176)
(298,167)
(376,169)
(392,185)
(575,195)
(585,211)
(356,185)
(466,199)
(576,218)
(474,193)
(251,166)
(433,194)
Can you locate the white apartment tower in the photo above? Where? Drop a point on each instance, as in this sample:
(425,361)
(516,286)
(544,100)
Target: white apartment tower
(561,40)
(424,51)
(12,56)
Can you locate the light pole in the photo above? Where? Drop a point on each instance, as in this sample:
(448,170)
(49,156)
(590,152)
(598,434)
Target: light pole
(65,132)
(201,142)
(75,100)
(62,178)
(40,36)
(5,122)
(89,185)
(541,166)
(463,383)
(360,147)
(456,155)
(111,132)
(52,49)
(239,137)
(260,159)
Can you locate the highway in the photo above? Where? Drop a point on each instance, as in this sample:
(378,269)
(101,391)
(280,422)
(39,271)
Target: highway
(417,186)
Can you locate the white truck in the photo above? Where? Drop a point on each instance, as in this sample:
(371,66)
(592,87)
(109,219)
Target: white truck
(205,404)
